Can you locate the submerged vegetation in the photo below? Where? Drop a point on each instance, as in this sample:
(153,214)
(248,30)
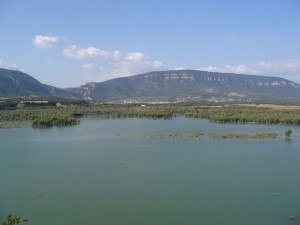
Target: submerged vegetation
(199,135)
(61,115)
(257,136)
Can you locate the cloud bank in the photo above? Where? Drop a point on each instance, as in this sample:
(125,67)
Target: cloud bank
(91,52)
(111,64)
(100,64)
(45,41)
(289,69)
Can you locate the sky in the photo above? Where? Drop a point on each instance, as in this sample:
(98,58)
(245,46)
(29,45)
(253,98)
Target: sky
(67,43)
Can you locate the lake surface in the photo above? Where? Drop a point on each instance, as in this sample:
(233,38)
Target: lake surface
(108,172)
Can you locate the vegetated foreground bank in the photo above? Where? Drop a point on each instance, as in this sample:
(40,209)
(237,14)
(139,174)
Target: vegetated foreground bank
(69,115)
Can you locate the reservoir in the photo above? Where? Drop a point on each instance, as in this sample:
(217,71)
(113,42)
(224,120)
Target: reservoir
(113,172)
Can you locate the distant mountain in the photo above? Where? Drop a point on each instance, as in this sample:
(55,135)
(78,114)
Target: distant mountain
(16,83)
(166,86)
(192,85)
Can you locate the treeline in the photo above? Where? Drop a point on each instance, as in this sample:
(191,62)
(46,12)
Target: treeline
(60,116)
(18,102)
(243,114)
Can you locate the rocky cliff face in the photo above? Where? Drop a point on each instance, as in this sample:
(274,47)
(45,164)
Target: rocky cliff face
(190,85)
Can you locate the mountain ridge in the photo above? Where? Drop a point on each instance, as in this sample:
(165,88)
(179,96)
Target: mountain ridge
(166,86)
(189,85)
(16,83)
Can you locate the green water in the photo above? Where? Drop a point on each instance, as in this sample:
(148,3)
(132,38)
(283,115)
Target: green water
(90,175)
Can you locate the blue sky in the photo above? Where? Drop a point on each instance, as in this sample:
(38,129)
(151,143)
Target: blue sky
(68,43)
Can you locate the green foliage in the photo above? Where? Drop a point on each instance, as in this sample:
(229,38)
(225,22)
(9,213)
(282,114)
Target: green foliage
(288,134)
(8,105)
(52,116)
(54,121)
(239,114)
(12,219)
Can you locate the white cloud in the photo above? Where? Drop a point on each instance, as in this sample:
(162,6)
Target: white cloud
(110,64)
(88,66)
(10,66)
(134,56)
(157,64)
(289,69)
(85,53)
(45,41)
(121,68)
(135,63)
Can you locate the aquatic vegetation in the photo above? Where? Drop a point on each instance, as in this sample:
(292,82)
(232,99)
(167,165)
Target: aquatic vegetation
(54,121)
(288,134)
(243,114)
(257,136)
(199,135)
(12,219)
(221,114)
